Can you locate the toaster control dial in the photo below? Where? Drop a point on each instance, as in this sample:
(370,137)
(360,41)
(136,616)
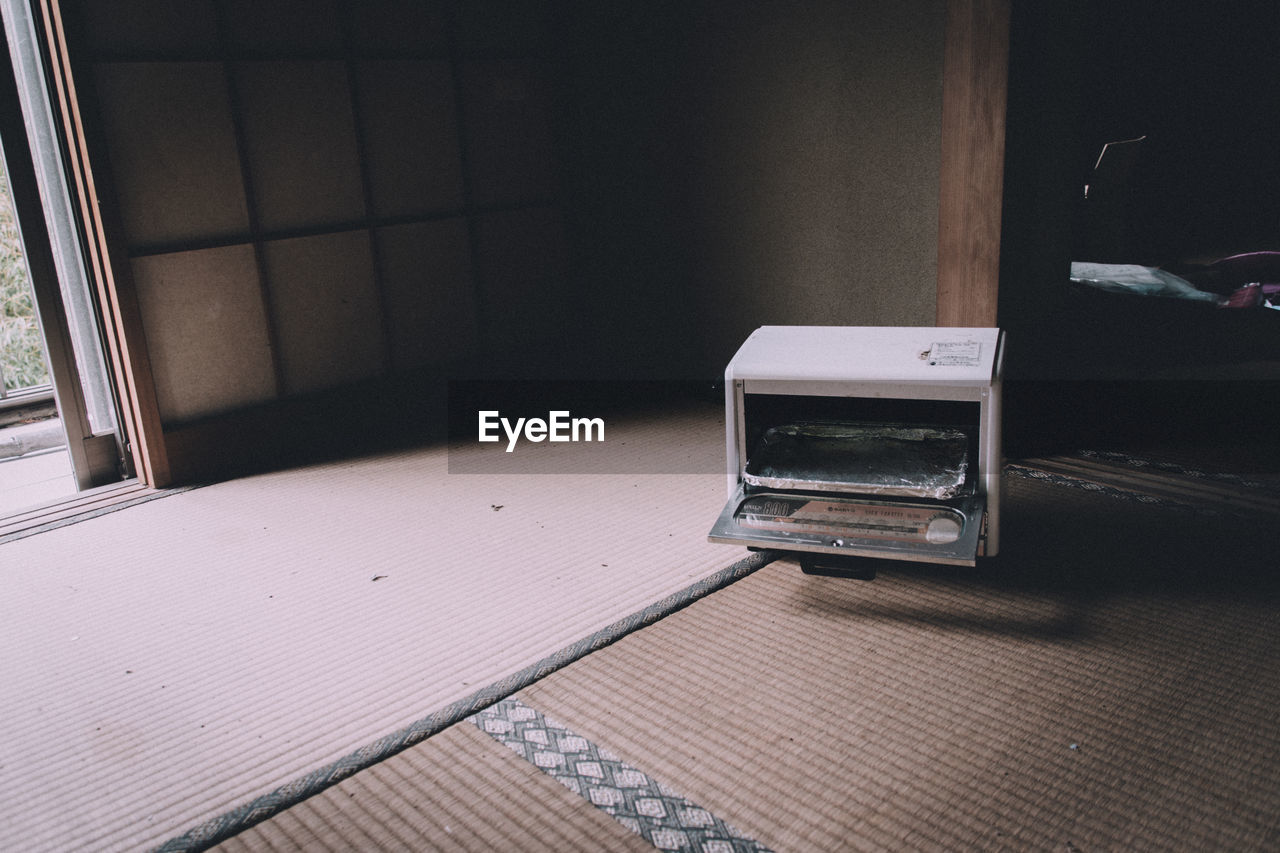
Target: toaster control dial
(942,529)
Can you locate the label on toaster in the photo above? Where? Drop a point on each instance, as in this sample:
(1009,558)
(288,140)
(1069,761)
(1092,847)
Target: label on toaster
(955,354)
(860,519)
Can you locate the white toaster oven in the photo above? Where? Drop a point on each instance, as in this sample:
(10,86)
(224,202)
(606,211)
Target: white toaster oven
(848,442)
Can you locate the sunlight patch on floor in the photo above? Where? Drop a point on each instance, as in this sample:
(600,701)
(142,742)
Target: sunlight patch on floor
(34,479)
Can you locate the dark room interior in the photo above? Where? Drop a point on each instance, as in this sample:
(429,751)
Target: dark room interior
(1192,84)
(277,611)
(559,189)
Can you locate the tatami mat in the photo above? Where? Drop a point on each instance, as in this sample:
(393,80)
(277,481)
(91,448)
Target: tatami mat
(1108,683)
(457,791)
(168,663)
(1079,694)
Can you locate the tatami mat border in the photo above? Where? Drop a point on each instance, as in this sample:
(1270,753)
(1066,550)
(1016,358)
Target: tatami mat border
(96,511)
(644,805)
(1029,473)
(1133,461)
(237,820)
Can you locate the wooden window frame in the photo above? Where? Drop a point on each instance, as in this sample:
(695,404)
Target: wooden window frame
(123,337)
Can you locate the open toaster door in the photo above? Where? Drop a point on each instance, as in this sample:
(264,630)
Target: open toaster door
(850,526)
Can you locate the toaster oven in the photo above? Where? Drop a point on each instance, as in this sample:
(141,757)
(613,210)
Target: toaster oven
(853,442)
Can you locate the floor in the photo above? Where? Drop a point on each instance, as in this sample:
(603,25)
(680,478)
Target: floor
(161,659)
(1108,692)
(35,467)
(34,479)
(1113,690)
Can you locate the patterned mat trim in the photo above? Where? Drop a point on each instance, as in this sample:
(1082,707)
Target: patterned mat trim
(643,805)
(237,820)
(1167,484)
(1031,473)
(1132,461)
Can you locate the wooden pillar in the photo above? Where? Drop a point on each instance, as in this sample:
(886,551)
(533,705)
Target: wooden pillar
(974,93)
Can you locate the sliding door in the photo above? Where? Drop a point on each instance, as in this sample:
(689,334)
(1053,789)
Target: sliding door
(53,246)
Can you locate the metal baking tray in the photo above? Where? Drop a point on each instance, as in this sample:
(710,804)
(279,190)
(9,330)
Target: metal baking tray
(895,460)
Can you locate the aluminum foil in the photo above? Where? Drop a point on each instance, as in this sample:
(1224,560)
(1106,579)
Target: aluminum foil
(867,459)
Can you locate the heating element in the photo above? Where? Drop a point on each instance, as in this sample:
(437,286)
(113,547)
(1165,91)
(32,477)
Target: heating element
(846,442)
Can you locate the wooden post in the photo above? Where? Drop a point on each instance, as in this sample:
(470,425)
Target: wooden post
(974,93)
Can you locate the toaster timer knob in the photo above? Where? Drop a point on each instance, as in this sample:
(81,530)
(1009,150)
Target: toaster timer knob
(941,530)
